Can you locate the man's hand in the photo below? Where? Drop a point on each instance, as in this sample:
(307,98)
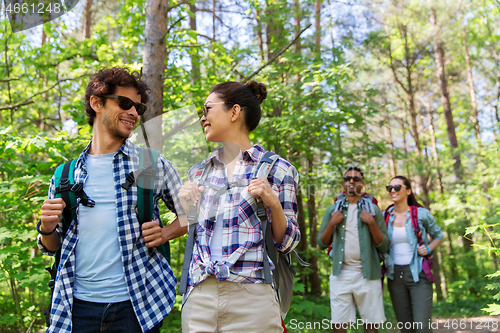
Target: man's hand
(367,217)
(152,234)
(336,217)
(260,188)
(52,210)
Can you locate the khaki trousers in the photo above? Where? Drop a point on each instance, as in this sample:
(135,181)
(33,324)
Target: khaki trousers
(222,306)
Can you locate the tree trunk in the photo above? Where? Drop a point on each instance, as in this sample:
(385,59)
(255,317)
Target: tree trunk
(474,113)
(410,91)
(214,17)
(442,276)
(445,99)
(195,58)
(435,156)
(388,137)
(302,247)
(260,38)
(87,19)
(317,28)
(153,70)
(470,260)
(314,278)
(453,268)
(437,275)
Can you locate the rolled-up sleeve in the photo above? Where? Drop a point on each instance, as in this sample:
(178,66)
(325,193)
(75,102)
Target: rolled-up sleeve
(385,243)
(171,186)
(51,195)
(288,198)
(326,219)
(432,228)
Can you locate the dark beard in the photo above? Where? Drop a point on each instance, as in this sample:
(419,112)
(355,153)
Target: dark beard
(114,129)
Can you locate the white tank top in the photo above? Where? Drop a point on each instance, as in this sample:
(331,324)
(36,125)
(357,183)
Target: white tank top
(403,253)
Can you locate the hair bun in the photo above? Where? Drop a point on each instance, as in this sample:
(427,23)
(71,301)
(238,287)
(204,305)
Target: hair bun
(259,89)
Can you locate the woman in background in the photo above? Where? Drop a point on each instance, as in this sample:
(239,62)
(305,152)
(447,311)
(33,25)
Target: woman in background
(410,284)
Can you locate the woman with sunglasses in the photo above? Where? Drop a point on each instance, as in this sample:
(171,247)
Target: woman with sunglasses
(226,289)
(409,278)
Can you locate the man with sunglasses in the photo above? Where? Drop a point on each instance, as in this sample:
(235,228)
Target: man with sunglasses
(354,227)
(111,277)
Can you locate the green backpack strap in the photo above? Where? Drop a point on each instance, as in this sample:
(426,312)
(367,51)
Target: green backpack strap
(64,180)
(148,163)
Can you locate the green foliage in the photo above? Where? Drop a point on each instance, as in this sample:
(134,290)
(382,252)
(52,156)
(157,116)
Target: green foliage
(328,106)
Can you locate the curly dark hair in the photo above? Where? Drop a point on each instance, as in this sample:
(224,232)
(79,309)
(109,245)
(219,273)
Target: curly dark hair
(105,82)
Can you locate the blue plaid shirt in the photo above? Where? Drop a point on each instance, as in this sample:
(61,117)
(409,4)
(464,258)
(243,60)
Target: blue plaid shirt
(150,280)
(242,241)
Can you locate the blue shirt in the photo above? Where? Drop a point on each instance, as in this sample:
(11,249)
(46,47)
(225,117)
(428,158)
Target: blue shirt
(427,225)
(150,280)
(99,273)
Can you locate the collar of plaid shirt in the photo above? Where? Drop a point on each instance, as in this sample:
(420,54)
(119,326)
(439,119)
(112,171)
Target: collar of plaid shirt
(150,280)
(242,240)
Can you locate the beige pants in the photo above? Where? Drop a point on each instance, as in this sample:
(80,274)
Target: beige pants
(349,290)
(215,306)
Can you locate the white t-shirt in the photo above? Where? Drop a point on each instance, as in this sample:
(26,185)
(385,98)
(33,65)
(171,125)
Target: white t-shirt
(216,241)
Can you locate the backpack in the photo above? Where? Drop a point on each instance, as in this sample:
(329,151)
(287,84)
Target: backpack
(338,206)
(284,272)
(427,260)
(73,195)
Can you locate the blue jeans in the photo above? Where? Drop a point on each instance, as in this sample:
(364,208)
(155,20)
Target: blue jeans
(89,317)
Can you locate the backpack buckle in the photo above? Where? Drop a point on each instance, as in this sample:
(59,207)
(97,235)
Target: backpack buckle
(261,213)
(87,202)
(148,172)
(76,188)
(64,185)
(192,212)
(128,181)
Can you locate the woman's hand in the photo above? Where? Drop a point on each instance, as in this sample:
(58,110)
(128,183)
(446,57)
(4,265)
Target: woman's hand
(189,191)
(422,250)
(261,189)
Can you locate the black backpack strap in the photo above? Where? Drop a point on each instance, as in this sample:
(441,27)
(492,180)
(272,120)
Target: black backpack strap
(192,219)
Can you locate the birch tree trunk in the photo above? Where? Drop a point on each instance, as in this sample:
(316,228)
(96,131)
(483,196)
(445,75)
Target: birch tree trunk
(474,117)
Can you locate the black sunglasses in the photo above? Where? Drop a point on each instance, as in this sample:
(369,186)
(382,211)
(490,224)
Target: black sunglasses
(126,103)
(396,188)
(355,178)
